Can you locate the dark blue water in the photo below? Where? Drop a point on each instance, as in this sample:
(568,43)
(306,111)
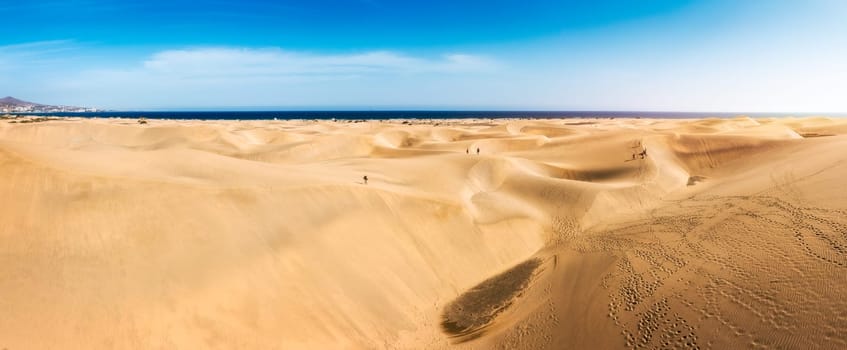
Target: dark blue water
(372,115)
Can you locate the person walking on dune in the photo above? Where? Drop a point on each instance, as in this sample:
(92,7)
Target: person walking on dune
(365,178)
(477,150)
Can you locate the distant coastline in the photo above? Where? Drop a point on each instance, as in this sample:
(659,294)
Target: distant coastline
(399,114)
(11,105)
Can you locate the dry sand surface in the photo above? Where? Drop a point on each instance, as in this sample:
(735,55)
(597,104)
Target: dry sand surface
(730,233)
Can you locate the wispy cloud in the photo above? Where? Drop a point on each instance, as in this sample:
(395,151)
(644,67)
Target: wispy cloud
(36,46)
(201,63)
(36,49)
(209,76)
(34,54)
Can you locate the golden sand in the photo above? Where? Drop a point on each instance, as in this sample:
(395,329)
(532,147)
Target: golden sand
(729,233)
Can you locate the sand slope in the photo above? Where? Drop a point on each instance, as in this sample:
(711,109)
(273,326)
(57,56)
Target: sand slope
(180,234)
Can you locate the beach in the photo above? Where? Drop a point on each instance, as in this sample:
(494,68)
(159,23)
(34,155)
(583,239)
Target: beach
(466,233)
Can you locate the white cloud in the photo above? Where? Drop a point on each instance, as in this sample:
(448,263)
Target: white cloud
(226,76)
(35,50)
(234,63)
(35,46)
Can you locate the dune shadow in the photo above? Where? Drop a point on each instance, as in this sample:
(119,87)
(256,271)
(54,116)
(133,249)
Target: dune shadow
(694,179)
(814,134)
(467,317)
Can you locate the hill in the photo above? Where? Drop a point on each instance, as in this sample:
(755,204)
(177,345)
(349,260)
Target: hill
(10,104)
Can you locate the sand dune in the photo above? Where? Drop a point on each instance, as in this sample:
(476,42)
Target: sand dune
(730,233)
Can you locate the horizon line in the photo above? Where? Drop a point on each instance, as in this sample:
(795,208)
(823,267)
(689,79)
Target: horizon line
(458,110)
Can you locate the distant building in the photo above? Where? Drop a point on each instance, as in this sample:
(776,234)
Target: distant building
(12,105)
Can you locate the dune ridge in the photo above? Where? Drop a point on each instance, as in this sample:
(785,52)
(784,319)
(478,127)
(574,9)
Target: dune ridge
(726,233)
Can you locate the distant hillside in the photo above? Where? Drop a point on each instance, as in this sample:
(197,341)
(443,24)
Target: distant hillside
(11,101)
(10,104)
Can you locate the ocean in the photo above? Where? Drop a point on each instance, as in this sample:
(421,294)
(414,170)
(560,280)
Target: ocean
(377,115)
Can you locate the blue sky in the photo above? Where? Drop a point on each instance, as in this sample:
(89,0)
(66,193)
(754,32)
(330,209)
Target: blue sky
(684,55)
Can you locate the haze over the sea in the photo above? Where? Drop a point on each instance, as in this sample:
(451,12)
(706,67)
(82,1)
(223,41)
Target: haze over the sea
(670,55)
